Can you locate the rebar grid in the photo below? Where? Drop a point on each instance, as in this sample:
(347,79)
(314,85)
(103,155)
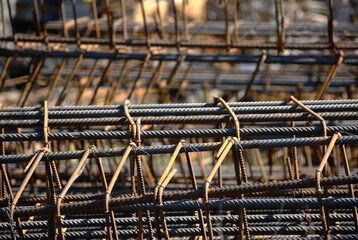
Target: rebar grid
(174,169)
(180,210)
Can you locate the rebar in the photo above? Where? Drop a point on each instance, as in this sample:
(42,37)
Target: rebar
(187,92)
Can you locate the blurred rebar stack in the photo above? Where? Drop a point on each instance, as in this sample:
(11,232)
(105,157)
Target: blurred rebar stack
(103,52)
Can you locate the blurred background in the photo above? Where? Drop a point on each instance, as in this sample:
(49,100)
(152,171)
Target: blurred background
(203,49)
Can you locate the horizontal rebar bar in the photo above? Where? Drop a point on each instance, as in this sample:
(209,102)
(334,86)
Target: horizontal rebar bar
(292,230)
(145,200)
(182,44)
(283,59)
(175,111)
(175,53)
(271,143)
(278,219)
(99,196)
(218,28)
(212,133)
(208,119)
(180,105)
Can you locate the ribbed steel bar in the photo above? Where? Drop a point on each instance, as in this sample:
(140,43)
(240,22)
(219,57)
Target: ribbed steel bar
(217,27)
(144,202)
(212,133)
(96,60)
(175,111)
(74,225)
(270,143)
(208,119)
(342,237)
(232,81)
(279,219)
(219,231)
(181,105)
(99,196)
(185,214)
(230,204)
(283,59)
(188,44)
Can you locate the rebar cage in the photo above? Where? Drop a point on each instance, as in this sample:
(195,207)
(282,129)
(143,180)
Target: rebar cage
(103,134)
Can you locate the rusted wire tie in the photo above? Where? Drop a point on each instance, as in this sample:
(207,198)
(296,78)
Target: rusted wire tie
(46,131)
(158,198)
(239,164)
(322,165)
(29,170)
(310,110)
(108,213)
(330,75)
(73,177)
(158,191)
(132,126)
(220,156)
